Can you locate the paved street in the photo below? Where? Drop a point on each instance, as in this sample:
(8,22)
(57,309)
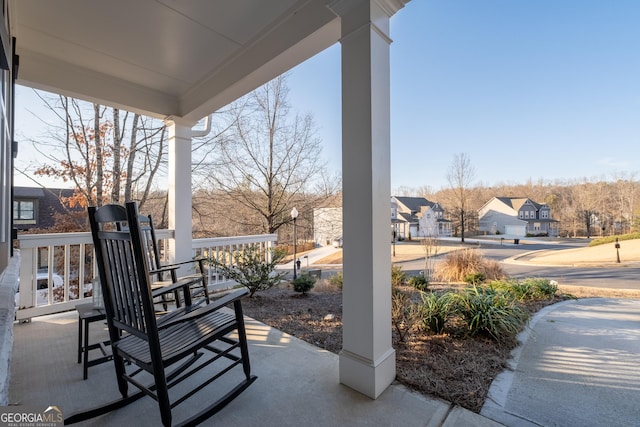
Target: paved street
(515,259)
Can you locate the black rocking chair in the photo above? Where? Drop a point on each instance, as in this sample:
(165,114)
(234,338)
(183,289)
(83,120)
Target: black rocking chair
(171,347)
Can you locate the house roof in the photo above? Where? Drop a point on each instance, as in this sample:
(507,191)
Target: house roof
(517,202)
(28,192)
(414,204)
(49,204)
(407,217)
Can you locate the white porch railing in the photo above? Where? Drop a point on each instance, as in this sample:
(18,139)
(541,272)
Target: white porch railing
(223,249)
(56,270)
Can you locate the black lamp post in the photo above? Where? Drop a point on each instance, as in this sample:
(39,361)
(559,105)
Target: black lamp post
(294,216)
(394,233)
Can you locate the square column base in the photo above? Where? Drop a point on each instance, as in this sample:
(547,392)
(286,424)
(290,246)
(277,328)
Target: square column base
(368,377)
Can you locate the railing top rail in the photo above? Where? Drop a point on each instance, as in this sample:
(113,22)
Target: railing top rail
(57,239)
(52,239)
(234,240)
(28,241)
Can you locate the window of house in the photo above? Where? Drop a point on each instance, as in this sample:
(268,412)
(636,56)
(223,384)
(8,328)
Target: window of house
(526,214)
(544,214)
(24,210)
(521,214)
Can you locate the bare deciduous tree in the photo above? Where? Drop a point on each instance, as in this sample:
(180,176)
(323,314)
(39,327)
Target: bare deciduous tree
(89,150)
(267,160)
(431,248)
(460,177)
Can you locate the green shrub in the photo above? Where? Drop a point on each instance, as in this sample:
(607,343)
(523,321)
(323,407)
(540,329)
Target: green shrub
(474,278)
(252,267)
(542,288)
(519,291)
(435,309)
(303,283)
(398,277)
(490,312)
(336,279)
(419,282)
(527,289)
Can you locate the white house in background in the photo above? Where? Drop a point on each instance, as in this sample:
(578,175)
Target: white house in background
(418,217)
(517,216)
(327,225)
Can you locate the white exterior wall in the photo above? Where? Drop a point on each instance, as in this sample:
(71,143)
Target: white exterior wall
(494,215)
(327,225)
(428,224)
(6,144)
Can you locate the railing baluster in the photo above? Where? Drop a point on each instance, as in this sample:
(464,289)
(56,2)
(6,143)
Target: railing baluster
(67,267)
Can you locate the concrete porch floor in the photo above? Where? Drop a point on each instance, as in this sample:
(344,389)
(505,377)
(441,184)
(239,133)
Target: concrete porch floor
(297,385)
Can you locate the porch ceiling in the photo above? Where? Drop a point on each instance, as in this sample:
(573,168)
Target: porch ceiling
(162,58)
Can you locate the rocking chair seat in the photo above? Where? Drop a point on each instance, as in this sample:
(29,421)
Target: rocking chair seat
(181,337)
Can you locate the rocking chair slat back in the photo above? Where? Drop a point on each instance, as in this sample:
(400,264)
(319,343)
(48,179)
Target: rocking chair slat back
(126,281)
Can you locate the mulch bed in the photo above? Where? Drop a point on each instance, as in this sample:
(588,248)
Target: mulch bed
(449,366)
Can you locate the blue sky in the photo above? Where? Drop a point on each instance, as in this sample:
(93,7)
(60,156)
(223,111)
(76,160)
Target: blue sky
(544,89)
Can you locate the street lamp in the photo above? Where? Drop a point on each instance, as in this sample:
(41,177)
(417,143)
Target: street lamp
(394,234)
(294,216)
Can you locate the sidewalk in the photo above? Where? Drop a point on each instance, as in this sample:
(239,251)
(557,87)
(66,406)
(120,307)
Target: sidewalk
(579,365)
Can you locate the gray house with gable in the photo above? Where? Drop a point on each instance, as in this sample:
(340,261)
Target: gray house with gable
(517,216)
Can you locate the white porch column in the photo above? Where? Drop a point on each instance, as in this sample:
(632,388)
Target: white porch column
(367,359)
(179,208)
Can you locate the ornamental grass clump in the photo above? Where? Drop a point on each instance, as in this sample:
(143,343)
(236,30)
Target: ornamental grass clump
(491,312)
(464,263)
(435,309)
(529,289)
(398,277)
(336,279)
(474,278)
(519,290)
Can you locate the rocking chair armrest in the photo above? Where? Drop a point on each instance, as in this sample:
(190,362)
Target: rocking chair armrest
(175,265)
(164,269)
(197,310)
(159,288)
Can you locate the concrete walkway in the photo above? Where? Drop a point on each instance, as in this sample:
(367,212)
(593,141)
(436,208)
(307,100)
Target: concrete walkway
(579,365)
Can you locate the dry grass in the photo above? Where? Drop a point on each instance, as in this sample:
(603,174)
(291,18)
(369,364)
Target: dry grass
(334,258)
(458,264)
(450,366)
